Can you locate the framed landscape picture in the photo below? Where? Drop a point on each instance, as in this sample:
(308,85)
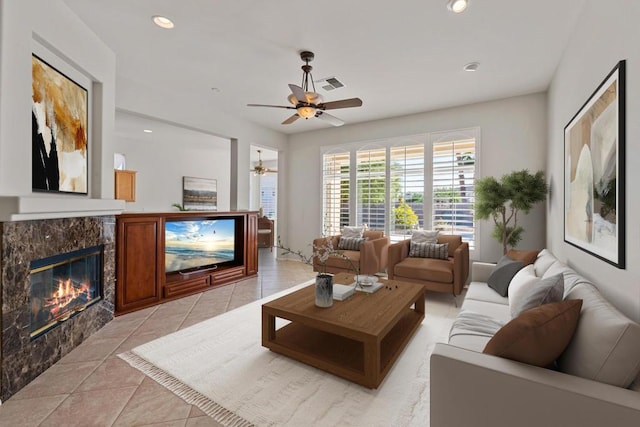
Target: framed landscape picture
(594,181)
(59,134)
(199,194)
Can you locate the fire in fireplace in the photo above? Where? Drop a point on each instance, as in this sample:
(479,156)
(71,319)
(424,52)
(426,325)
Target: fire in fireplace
(63,286)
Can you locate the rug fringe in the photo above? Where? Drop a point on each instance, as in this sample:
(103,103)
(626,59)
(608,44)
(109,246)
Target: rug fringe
(186,393)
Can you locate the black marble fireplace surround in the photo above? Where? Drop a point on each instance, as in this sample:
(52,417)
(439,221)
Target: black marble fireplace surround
(23,358)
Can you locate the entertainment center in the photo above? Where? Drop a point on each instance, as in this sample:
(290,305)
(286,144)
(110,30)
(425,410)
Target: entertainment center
(164,256)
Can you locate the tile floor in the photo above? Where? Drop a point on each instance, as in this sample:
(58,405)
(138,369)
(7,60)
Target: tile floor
(91,386)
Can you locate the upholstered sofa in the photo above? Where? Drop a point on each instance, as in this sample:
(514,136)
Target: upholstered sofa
(586,388)
(369,258)
(441,275)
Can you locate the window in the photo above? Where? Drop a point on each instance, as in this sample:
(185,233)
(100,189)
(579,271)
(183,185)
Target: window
(421,181)
(454,163)
(335,192)
(371,185)
(407,190)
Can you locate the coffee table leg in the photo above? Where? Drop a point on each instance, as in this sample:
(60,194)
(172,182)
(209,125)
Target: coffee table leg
(371,363)
(420,304)
(268,328)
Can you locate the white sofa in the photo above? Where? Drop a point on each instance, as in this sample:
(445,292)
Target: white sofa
(469,388)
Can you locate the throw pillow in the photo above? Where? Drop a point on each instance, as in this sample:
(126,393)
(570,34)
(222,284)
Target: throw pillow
(429,250)
(545,291)
(606,345)
(352,232)
(350,243)
(527,257)
(538,336)
(502,275)
(524,280)
(425,236)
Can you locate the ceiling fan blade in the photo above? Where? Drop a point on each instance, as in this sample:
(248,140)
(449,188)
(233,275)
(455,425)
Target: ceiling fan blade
(343,103)
(291,119)
(273,106)
(298,93)
(329,118)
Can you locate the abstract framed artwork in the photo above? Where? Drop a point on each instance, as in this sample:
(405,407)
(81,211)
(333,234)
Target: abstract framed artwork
(59,131)
(594,174)
(199,194)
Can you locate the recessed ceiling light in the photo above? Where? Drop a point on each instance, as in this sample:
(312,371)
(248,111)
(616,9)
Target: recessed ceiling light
(163,22)
(471,66)
(457,6)
(147,131)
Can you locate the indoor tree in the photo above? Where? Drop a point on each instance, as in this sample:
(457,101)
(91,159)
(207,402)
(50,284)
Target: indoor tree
(503,200)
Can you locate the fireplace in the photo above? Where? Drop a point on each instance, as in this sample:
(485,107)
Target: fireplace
(63,286)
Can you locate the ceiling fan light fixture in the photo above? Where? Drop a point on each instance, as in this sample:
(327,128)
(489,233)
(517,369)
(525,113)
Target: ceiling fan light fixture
(306,112)
(457,6)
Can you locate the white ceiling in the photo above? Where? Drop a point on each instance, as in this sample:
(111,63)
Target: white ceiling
(399,57)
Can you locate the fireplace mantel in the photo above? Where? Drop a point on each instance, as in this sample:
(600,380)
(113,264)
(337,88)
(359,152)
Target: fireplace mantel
(24,208)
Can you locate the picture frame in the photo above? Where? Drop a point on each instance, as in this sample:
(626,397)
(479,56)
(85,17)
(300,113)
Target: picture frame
(60,131)
(199,194)
(594,174)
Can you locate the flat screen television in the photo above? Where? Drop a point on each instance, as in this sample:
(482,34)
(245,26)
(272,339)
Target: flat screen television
(193,244)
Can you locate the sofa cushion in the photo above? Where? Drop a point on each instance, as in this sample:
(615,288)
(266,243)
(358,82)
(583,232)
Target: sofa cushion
(352,231)
(527,257)
(479,291)
(429,250)
(340,262)
(571,278)
(454,241)
(424,236)
(524,280)
(544,291)
(502,275)
(543,262)
(606,345)
(350,243)
(429,269)
(538,336)
(372,234)
(499,312)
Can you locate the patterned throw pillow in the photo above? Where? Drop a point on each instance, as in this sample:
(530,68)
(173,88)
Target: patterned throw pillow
(429,250)
(350,243)
(352,232)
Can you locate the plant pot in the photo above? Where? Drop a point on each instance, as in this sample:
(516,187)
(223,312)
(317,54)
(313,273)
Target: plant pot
(324,290)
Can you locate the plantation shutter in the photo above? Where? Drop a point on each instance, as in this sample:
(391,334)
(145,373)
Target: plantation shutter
(407,190)
(371,184)
(453,187)
(335,192)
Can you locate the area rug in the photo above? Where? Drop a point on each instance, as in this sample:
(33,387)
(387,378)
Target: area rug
(220,366)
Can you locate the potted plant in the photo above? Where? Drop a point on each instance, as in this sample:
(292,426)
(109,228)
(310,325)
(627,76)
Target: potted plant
(503,200)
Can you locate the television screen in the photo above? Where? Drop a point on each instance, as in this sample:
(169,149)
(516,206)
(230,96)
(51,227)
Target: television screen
(192,244)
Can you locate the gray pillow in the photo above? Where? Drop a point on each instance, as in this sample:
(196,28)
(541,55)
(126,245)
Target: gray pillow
(503,273)
(429,250)
(547,290)
(350,243)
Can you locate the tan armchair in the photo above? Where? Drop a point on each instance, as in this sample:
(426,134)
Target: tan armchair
(370,259)
(440,275)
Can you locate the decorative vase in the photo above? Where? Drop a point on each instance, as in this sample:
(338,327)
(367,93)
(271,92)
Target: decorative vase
(324,290)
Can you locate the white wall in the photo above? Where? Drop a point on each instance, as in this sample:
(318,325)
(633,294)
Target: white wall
(513,137)
(163,157)
(604,35)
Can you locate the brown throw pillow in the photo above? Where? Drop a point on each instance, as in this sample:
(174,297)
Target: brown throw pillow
(538,336)
(526,257)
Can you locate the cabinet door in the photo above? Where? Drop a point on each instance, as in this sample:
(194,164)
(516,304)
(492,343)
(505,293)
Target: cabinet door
(251,247)
(138,271)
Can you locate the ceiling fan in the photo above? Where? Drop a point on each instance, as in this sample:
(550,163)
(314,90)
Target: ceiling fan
(259,169)
(308,103)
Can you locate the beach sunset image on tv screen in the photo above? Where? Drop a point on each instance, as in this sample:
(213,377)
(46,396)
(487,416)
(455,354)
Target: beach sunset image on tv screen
(198,243)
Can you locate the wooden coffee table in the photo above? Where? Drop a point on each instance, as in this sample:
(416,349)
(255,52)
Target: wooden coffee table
(358,339)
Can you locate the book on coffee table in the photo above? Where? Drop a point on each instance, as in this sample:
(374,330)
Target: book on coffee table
(369,289)
(342,292)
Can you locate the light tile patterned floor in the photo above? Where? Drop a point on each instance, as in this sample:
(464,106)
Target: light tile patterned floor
(91,386)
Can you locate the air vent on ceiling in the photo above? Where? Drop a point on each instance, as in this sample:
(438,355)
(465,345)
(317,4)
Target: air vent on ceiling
(329,84)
